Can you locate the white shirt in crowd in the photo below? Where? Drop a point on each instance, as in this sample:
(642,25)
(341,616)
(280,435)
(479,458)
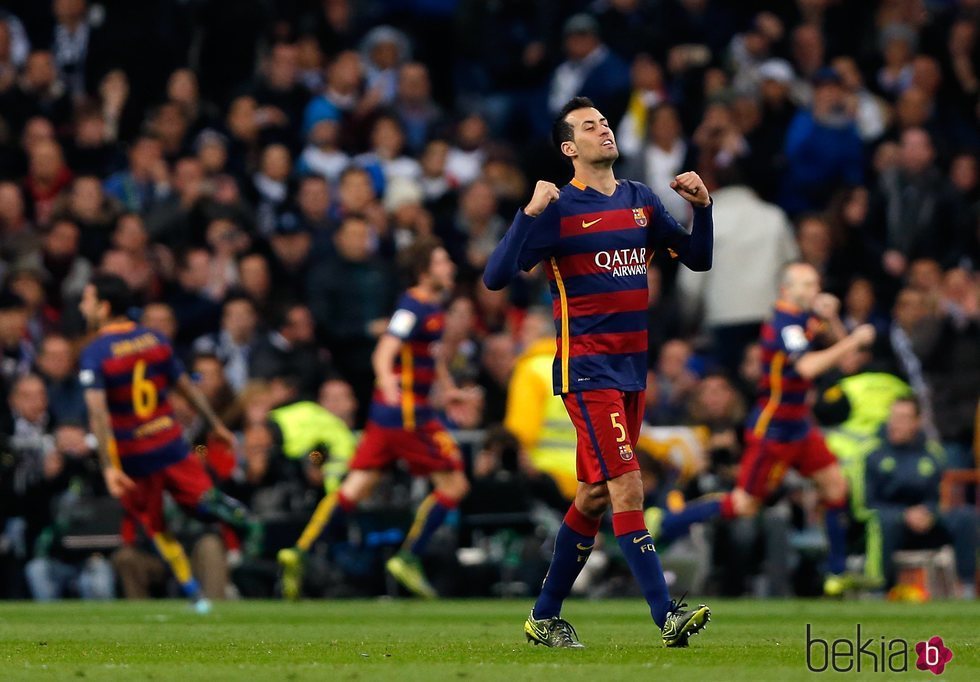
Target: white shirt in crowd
(753,240)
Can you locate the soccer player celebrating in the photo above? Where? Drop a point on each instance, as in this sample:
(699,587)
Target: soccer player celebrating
(128,372)
(780,432)
(595,237)
(402,425)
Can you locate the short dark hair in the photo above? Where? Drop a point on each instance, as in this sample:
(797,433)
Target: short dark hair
(237,295)
(207,357)
(113,290)
(561,130)
(417,258)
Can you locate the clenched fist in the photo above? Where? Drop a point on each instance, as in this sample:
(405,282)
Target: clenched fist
(864,335)
(691,187)
(826,306)
(544,193)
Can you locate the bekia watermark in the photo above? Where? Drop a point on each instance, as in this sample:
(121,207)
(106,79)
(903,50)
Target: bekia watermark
(873,654)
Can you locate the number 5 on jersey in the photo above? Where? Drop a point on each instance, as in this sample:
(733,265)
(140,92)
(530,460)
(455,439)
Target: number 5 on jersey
(144,392)
(620,429)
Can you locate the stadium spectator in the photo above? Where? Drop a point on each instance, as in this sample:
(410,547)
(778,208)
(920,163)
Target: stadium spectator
(322,154)
(35,475)
(234,344)
(952,366)
(337,397)
(271,187)
(675,382)
(290,350)
(902,487)
(464,161)
(822,147)
(383,50)
(197,313)
(18,237)
(28,283)
(648,91)
(47,176)
(590,70)
(95,214)
(160,318)
(39,92)
(227,242)
(460,340)
(860,307)
(65,569)
(345,76)
(662,154)
(496,366)
(313,197)
(16,351)
(56,365)
(746,229)
(419,114)
(478,227)
(386,160)
(146,179)
(278,91)
(914,210)
(350,293)
(184,89)
(9,67)
(254,278)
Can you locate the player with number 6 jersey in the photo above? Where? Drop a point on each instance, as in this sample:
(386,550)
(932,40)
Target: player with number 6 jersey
(128,372)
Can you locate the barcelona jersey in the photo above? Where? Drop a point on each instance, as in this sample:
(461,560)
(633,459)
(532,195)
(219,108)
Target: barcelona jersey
(781,411)
(137,369)
(595,250)
(418,324)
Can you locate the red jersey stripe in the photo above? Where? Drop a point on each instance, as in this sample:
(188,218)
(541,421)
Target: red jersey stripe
(605,303)
(603,221)
(608,344)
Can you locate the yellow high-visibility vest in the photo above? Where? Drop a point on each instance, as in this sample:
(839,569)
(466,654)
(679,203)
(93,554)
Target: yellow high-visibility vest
(538,417)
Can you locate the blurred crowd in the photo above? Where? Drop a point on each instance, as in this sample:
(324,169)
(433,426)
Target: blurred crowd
(253,168)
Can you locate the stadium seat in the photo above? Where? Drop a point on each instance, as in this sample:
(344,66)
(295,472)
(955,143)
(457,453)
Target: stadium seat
(933,571)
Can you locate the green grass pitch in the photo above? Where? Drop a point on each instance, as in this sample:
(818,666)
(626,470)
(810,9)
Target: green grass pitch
(453,640)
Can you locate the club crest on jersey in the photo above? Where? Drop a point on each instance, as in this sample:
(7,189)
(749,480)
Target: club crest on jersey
(640,217)
(434,323)
(626,452)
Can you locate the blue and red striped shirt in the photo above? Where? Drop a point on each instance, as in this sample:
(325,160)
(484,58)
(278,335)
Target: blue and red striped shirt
(596,250)
(418,324)
(137,368)
(781,411)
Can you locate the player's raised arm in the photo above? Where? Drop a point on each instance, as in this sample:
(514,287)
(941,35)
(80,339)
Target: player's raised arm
(827,308)
(814,363)
(694,249)
(189,390)
(530,237)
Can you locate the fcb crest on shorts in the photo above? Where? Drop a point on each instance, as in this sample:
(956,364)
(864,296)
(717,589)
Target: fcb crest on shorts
(640,217)
(626,452)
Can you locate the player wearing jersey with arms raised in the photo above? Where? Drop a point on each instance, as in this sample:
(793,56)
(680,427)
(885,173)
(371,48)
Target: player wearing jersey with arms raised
(594,238)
